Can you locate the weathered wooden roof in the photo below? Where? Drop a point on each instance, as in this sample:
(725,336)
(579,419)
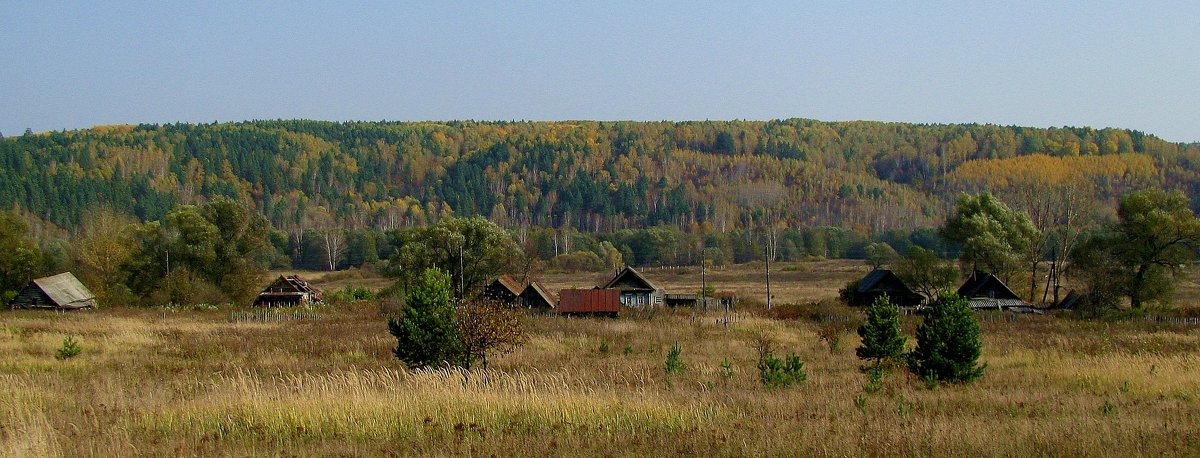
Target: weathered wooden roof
(985,285)
(989,303)
(292,284)
(882,280)
(536,289)
(1073,300)
(509,284)
(66,291)
(630,279)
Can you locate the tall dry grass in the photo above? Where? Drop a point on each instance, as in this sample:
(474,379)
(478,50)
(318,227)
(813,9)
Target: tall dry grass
(192,383)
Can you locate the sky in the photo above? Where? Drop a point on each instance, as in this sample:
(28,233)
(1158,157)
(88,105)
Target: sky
(73,65)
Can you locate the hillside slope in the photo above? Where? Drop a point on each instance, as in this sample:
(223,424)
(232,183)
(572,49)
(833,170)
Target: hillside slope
(592,176)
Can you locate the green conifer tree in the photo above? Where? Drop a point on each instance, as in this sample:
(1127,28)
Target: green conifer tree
(881,337)
(425,333)
(948,343)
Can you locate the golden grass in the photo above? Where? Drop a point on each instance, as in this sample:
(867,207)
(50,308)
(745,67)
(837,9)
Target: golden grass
(154,383)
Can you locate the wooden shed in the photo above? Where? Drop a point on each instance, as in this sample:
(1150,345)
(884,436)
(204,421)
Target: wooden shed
(535,296)
(56,292)
(602,302)
(288,291)
(504,290)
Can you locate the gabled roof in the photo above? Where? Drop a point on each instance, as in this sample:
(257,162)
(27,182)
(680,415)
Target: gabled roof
(536,289)
(293,282)
(509,284)
(629,276)
(882,279)
(291,285)
(1073,300)
(982,284)
(65,290)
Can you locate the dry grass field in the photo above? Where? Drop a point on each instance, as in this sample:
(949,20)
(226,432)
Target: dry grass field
(155,382)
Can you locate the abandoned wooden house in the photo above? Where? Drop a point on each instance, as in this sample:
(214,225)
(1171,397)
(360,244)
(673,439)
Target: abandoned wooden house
(56,292)
(883,282)
(537,297)
(693,300)
(985,291)
(288,291)
(504,290)
(593,302)
(636,290)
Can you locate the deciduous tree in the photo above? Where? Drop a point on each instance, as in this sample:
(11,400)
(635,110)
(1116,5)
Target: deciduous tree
(1155,235)
(473,251)
(923,271)
(487,327)
(991,235)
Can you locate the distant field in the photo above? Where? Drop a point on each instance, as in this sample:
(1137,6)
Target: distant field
(791,282)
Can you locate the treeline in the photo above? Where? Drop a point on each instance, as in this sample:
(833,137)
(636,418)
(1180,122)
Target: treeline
(589,177)
(572,250)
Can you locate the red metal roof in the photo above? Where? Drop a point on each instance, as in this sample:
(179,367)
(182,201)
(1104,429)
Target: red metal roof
(589,301)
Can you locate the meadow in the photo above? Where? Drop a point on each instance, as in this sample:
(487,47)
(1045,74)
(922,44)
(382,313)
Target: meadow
(162,382)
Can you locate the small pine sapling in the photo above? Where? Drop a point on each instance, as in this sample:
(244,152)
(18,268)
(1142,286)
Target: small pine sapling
(674,364)
(70,349)
(881,337)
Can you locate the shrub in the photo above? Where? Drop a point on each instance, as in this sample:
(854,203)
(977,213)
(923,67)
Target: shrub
(831,333)
(774,372)
(948,343)
(881,337)
(777,373)
(874,380)
(846,294)
(70,349)
(352,294)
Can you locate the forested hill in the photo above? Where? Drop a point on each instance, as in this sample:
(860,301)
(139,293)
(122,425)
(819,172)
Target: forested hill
(591,176)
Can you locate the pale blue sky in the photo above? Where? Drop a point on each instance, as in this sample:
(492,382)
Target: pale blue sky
(1121,64)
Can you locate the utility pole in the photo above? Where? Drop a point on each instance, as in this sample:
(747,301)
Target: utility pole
(461,281)
(767,259)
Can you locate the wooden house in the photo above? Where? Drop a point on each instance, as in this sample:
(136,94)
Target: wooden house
(692,300)
(636,290)
(288,291)
(985,291)
(56,292)
(537,297)
(504,290)
(597,302)
(883,282)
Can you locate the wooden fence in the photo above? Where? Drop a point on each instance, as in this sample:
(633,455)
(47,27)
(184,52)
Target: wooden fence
(1182,320)
(271,316)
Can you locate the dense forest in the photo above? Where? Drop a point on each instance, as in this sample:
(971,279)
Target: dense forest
(659,192)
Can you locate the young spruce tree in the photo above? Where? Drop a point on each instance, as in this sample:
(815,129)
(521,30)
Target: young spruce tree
(948,343)
(881,337)
(425,333)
